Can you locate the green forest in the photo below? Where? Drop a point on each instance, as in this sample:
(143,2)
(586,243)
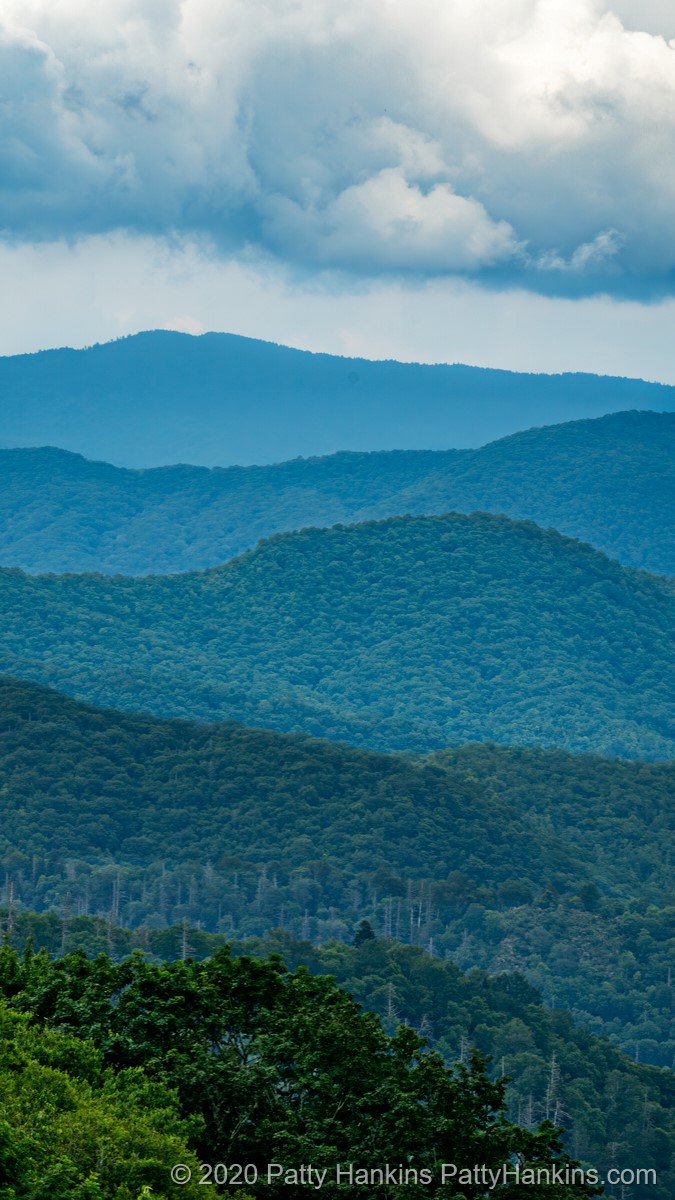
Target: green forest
(354,848)
(249,1062)
(408,634)
(554,865)
(607,481)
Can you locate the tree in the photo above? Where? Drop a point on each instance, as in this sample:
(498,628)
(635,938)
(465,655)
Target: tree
(364,933)
(72,1130)
(272,1066)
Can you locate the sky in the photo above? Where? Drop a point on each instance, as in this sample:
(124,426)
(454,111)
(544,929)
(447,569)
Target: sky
(489,182)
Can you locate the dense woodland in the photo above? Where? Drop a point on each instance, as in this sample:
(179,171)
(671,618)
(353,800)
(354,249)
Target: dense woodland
(427,759)
(553,865)
(410,634)
(268,1065)
(72,1129)
(501,1015)
(60,512)
(607,481)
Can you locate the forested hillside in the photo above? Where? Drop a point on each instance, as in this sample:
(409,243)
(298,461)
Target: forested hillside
(610,482)
(413,633)
(554,865)
(60,512)
(162,397)
(614,1112)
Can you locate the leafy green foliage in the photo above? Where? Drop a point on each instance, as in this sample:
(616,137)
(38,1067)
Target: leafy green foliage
(283,1068)
(72,1129)
(607,481)
(538,861)
(414,633)
(613,1110)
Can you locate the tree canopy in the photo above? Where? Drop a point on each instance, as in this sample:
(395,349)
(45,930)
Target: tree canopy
(414,633)
(278,1067)
(73,1129)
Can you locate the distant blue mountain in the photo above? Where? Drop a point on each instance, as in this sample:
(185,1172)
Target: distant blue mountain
(609,481)
(216,400)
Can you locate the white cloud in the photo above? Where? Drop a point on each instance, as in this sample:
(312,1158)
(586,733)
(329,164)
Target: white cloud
(589,255)
(388,222)
(530,140)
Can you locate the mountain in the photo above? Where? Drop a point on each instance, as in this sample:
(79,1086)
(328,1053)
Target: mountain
(609,481)
(414,633)
(159,398)
(554,865)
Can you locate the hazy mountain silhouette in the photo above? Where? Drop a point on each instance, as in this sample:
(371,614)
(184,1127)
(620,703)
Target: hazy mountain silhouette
(162,397)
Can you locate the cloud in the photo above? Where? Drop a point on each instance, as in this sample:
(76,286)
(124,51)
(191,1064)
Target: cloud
(513,141)
(589,256)
(388,222)
(107,286)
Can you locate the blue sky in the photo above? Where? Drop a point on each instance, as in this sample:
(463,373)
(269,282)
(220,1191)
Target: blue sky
(489,182)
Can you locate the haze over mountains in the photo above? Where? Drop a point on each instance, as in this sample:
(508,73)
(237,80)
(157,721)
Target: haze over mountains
(412,633)
(216,400)
(608,481)
(221,823)
(383,614)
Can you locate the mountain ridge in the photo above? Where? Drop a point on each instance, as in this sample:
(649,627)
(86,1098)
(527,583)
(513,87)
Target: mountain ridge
(159,397)
(608,481)
(411,633)
(496,854)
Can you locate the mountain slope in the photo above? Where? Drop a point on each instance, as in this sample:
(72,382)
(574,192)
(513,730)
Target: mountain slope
(60,512)
(504,859)
(412,633)
(162,397)
(610,482)
(87,782)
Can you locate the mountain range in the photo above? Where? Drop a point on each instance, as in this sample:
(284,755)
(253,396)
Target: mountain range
(505,859)
(424,694)
(608,481)
(159,398)
(411,633)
